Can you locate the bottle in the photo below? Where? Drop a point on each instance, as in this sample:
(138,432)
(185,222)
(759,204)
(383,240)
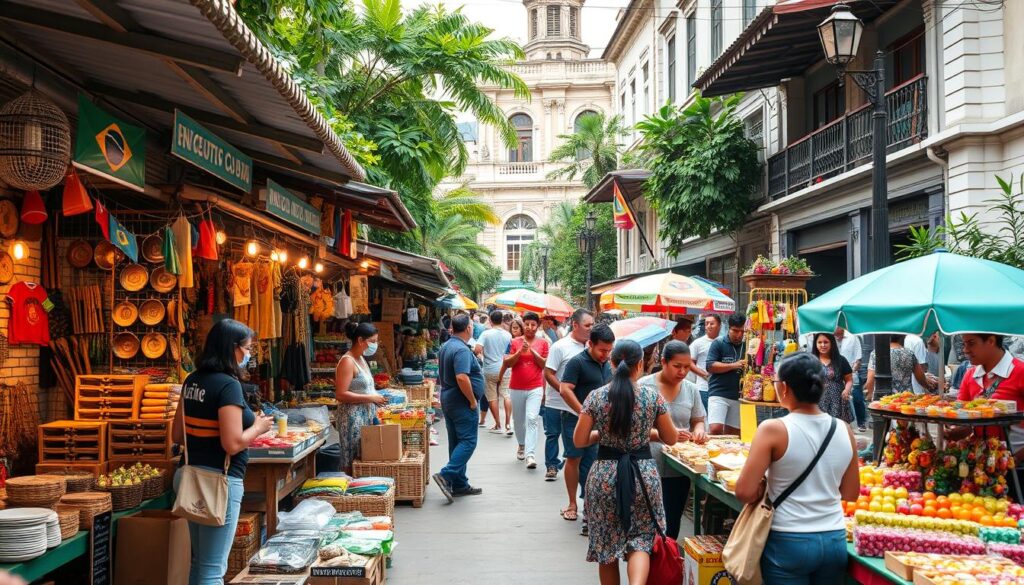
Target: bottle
(282,425)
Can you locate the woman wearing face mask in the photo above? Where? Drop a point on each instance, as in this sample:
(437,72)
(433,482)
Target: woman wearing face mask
(353,387)
(219,426)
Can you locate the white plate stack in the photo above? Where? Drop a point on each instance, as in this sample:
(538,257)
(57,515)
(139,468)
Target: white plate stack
(24,533)
(52,530)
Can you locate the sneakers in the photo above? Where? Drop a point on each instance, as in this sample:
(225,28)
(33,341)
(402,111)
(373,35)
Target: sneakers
(551,474)
(521,453)
(862,428)
(531,463)
(444,486)
(468,491)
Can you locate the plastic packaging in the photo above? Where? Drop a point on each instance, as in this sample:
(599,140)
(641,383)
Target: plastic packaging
(311,514)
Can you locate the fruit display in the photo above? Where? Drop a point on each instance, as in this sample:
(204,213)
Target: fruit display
(890,520)
(875,541)
(981,510)
(400,415)
(786,266)
(381,381)
(936,406)
(911,480)
(999,535)
(962,569)
(127,476)
(1014,552)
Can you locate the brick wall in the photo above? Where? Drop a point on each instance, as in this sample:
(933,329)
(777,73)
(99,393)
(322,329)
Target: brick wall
(22,365)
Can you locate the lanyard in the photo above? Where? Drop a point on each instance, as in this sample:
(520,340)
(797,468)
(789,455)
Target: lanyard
(991,389)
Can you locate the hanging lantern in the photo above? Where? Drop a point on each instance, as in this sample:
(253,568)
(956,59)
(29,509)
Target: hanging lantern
(282,256)
(33,211)
(19,250)
(221,237)
(303,262)
(318,267)
(274,257)
(35,142)
(252,248)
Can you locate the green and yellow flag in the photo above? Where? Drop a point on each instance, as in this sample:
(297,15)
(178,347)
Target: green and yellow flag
(109,147)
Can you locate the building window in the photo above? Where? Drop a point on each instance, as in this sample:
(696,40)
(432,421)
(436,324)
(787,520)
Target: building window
(753,127)
(716,29)
(671,68)
(907,57)
(622,103)
(632,101)
(829,104)
(582,153)
(574,30)
(519,232)
(554,21)
(523,152)
(691,51)
(533,24)
(749,11)
(723,270)
(645,72)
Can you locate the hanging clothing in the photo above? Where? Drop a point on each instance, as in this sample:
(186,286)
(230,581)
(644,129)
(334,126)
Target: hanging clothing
(206,247)
(254,307)
(264,285)
(170,252)
(241,292)
(276,280)
(183,245)
(342,304)
(28,322)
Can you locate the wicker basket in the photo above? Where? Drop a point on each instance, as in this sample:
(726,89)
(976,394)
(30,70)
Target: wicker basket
(69,518)
(152,487)
(421,392)
(41,491)
(407,473)
(238,558)
(369,505)
(77,480)
(88,504)
(124,497)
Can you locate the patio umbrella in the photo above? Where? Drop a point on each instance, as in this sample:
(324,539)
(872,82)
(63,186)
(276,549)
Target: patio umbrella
(521,299)
(942,291)
(666,293)
(460,301)
(643,330)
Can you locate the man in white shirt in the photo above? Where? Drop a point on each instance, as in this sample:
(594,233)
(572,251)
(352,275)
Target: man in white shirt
(916,345)
(850,348)
(552,405)
(494,344)
(699,352)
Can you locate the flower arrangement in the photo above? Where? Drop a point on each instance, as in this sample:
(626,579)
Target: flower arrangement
(785,267)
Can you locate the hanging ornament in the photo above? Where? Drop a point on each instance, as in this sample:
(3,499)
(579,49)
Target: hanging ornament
(76,200)
(35,142)
(33,210)
(221,237)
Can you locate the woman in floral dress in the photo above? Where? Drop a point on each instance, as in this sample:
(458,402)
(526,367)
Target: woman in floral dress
(623,418)
(838,379)
(354,390)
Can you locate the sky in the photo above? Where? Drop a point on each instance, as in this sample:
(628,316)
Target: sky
(508,18)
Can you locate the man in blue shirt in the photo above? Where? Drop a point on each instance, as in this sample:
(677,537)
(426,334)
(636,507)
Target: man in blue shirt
(462,389)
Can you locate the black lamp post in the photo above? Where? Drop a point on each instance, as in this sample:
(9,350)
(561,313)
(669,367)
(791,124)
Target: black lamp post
(588,240)
(840,35)
(545,249)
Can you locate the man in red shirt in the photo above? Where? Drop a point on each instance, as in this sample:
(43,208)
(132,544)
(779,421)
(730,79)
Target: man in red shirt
(995,374)
(526,358)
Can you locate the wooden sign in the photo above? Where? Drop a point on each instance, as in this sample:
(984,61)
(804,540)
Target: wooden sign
(385,356)
(394,302)
(100,554)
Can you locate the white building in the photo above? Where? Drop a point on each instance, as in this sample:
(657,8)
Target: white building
(564,85)
(953,73)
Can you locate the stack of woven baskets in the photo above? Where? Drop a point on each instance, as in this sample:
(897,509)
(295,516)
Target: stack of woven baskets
(35,491)
(76,480)
(88,504)
(69,518)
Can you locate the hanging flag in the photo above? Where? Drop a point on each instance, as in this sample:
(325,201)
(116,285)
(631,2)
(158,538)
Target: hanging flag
(123,239)
(109,147)
(103,219)
(621,212)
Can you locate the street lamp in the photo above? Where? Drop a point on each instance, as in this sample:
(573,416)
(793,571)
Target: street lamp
(840,36)
(588,240)
(545,249)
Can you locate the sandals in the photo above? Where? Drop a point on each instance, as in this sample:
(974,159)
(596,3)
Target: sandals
(569,514)
(508,431)
(521,453)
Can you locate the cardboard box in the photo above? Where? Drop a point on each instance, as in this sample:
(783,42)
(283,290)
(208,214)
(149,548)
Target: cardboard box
(381,443)
(703,564)
(153,548)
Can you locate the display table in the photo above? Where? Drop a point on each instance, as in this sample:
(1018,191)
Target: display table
(276,478)
(701,485)
(869,570)
(76,546)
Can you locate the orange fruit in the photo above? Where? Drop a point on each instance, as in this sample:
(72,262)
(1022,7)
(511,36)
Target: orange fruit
(963,514)
(929,511)
(977,514)
(864,506)
(1009,522)
(928,496)
(945,513)
(985,520)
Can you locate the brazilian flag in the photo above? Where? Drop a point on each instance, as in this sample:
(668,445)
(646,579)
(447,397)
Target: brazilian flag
(109,147)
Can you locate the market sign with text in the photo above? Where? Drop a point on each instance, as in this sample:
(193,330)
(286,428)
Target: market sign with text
(197,145)
(281,203)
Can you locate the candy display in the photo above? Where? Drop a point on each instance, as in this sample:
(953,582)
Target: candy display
(960,568)
(999,535)
(886,519)
(1014,552)
(696,456)
(875,541)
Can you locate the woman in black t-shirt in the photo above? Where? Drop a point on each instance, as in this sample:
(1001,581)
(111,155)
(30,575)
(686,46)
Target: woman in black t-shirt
(838,379)
(220,426)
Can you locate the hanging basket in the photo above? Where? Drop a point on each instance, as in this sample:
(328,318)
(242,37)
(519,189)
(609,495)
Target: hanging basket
(35,142)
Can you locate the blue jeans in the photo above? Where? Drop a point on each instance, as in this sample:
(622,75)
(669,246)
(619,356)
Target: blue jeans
(461,424)
(552,419)
(587,456)
(810,558)
(212,544)
(704,399)
(860,411)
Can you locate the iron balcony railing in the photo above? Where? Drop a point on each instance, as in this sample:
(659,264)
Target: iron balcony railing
(845,142)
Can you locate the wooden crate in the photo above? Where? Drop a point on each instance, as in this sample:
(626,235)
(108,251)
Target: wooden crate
(139,440)
(72,441)
(375,574)
(107,397)
(420,392)
(407,473)
(369,505)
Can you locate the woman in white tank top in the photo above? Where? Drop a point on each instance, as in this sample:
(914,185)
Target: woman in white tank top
(807,542)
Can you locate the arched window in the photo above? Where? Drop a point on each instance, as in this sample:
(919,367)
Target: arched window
(523,152)
(582,153)
(519,232)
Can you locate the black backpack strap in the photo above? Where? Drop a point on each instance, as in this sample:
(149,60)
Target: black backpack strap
(821,451)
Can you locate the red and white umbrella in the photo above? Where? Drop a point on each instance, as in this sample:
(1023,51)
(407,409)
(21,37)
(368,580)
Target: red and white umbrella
(521,299)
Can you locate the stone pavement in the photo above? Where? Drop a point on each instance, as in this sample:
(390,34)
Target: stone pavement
(510,535)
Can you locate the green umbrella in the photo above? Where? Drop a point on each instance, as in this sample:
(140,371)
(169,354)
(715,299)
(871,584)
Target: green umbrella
(942,291)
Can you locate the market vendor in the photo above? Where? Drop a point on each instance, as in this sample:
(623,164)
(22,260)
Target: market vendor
(994,374)
(354,388)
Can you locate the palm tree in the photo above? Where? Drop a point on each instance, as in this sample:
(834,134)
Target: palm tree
(591,151)
(451,241)
(531,267)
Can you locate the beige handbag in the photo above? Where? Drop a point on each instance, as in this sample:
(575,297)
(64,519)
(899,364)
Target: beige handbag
(202,494)
(742,553)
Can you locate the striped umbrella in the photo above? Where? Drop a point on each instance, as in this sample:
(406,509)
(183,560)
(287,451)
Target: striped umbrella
(460,301)
(520,299)
(667,293)
(643,330)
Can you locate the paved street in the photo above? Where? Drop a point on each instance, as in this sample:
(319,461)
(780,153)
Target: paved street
(512,534)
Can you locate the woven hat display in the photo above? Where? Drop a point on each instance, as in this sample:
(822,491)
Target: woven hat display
(8,219)
(79,254)
(163,281)
(35,142)
(152,312)
(6,268)
(125,313)
(35,490)
(89,504)
(154,345)
(134,277)
(107,255)
(126,345)
(152,248)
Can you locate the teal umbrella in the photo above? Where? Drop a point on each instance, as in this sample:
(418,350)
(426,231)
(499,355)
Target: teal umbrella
(942,291)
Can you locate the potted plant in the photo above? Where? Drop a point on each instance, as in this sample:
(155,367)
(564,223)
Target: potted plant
(792,272)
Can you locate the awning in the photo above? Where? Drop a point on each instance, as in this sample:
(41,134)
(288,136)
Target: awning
(781,42)
(509,284)
(146,58)
(631,182)
(410,269)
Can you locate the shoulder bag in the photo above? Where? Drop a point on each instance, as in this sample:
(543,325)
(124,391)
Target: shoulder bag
(666,563)
(202,494)
(743,551)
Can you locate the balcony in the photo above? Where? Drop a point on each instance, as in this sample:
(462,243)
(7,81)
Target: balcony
(524,168)
(845,143)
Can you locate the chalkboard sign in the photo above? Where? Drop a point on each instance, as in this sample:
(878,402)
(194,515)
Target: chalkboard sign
(100,553)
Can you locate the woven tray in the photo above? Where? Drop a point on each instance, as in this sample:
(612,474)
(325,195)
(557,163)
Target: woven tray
(124,497)
(369,505)
(69,518)
(35,490)
(77,481)
(407,473)
(89,504)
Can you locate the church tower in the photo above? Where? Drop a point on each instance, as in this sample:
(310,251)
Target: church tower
(553,30)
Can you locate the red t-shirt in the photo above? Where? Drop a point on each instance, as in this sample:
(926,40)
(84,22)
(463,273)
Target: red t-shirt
(29,322)
(526,374)
(1010,388)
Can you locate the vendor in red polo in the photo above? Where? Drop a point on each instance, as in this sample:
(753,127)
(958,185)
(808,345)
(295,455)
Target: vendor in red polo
(995,374)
